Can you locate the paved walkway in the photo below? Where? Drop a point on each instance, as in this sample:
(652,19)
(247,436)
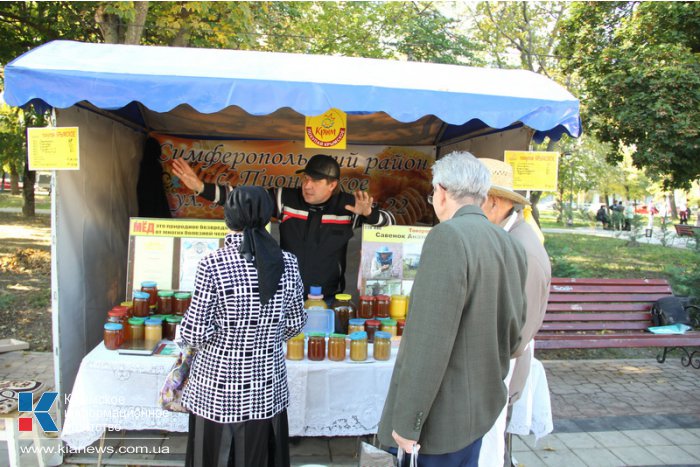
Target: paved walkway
(606,413)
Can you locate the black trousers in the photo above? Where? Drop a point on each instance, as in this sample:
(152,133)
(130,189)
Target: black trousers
(252,443)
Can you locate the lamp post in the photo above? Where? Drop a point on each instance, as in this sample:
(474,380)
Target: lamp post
(570,221)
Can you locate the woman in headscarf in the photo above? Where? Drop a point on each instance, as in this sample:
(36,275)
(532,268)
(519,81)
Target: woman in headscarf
(247,300)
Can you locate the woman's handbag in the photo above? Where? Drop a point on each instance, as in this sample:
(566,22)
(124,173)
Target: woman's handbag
(171,393)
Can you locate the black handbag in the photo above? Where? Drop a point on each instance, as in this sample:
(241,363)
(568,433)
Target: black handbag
(675,310)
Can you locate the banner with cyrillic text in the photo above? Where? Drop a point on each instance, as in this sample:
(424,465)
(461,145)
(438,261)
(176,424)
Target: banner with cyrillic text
(533,170)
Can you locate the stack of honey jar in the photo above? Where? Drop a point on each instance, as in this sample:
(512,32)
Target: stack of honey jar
(376,321)
(151,315)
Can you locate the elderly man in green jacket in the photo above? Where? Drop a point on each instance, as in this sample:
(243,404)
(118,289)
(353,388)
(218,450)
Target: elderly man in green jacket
(467,311)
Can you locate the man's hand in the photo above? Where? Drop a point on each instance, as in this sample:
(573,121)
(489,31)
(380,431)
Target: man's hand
(405,444)
(184,172)
(363,204)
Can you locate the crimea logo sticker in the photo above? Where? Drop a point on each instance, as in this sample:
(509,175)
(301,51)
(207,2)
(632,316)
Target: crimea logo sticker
(40,411)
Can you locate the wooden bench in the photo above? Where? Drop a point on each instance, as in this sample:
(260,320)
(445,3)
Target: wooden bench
(688,231)
(610,313)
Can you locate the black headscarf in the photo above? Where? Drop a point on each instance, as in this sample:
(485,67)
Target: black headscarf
(248,209)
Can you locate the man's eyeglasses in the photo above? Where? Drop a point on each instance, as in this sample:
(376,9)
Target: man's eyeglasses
(430,196)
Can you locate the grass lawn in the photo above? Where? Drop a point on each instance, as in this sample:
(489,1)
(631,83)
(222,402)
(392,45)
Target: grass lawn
(42,201)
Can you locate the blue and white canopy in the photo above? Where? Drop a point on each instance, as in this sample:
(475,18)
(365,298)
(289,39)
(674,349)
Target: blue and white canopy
(141,83)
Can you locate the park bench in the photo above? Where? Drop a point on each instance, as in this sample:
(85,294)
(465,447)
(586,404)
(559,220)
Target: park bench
(688,231)
(610,313)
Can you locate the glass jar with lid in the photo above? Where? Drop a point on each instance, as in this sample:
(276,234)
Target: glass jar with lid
(356,325)
(366,308)
(381,306)
(316,346)
(181,302)
(130,307)
(151,288)
(389,325)
(165,302)
(358,346)
(400,324)
(153,331)
(136,329)
(398,306)
(343,311)
(140,300)
(372,326)
(170,325)
(295,347)
(118,315)
(382,345)
(336,347)
(113,335)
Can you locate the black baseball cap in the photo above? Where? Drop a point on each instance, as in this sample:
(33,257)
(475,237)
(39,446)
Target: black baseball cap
(321,166)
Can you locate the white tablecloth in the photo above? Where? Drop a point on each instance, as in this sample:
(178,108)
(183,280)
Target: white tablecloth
(121,392)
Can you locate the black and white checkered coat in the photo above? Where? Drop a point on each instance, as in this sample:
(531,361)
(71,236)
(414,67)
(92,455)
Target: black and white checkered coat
(239,371)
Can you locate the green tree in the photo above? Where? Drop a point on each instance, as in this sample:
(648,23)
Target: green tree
(11,143)
(639,63)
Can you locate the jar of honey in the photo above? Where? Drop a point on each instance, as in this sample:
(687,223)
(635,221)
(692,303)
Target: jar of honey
(151,288)
(118,315)
(153,331)
(336,347)
(165,302)
(136,328)
(381,306)
(295,347)
(389,325)
(398,306)
(372,326)
(181,302)
(366,308)
(400,324)
(382,345)
(356,325)
(140,300)
(358,346)
(130,307)
(316,347)
(170,325)
(343,310)
(112,335)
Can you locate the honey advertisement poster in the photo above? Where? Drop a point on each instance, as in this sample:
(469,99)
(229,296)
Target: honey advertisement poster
(398,178)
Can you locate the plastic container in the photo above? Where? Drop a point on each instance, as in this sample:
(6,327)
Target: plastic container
(295,347)
(319,320)
(358,346)
(343,311)
(112,335)
(165,302)
(316,347)
(382,345)
(336,347)
(315,299)
(381,306)
(151,288)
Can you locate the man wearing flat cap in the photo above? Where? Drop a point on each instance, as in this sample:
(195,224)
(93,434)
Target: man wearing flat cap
(316,220)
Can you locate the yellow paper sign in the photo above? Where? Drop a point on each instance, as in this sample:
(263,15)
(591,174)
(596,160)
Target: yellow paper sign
(533,170)
(53,148)
(326,131)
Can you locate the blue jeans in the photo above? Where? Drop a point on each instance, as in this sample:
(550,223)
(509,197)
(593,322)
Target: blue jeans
(465,457)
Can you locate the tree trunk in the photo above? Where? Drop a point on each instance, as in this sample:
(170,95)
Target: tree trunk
(134,30)
(534,199)
(28,209)
(674,210)
(14,179)
(109,25)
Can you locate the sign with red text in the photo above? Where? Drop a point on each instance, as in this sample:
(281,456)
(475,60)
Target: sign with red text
(326,131)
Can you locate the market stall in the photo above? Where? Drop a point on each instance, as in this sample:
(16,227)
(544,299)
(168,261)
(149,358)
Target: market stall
(118,95)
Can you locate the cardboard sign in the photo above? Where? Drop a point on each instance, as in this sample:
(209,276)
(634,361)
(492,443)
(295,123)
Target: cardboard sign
(53,148)
(533,170)
(326,131)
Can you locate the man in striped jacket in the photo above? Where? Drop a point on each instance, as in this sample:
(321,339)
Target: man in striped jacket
(316,220)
